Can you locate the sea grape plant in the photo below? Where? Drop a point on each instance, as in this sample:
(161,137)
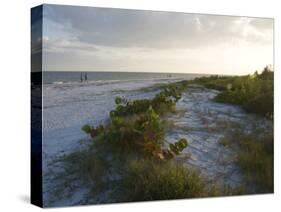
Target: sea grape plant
(136,125)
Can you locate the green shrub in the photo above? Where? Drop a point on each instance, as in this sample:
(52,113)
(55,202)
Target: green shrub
(261,104)
(162,103)
(143,133)
(154,180)
(136,126)
(253,92)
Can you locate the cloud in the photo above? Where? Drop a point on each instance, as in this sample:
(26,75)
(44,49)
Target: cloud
(106,38)
(147,29)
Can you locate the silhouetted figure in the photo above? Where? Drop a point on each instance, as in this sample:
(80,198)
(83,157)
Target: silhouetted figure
(86,77)
(81,77)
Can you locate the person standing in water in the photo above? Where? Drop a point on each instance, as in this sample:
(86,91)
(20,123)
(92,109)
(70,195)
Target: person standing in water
(81,77)
(86,77)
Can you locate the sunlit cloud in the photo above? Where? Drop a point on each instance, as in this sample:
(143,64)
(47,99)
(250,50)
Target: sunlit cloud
(84,38)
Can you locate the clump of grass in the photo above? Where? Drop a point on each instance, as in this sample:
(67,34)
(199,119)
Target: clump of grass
(88,166)
(156,180)
(255,158)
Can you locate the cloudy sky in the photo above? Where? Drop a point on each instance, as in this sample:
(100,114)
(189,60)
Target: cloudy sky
(99,39)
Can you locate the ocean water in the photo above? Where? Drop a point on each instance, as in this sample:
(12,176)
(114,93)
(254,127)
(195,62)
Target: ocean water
(58,77)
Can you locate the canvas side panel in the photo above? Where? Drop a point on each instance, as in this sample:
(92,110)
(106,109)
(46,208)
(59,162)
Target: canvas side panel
(36,105)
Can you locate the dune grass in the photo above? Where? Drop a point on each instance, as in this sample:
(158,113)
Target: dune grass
(155,180)
(254,156)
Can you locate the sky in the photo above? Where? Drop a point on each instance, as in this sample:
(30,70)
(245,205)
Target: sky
(104,39)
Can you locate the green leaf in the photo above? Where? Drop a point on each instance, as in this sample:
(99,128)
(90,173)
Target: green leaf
(174,149)
(183,143)
(118,100)
(87,128)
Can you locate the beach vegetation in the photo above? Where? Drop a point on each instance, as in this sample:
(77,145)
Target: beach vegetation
(137,126)
(254,93)
(155,180)
(254,157)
